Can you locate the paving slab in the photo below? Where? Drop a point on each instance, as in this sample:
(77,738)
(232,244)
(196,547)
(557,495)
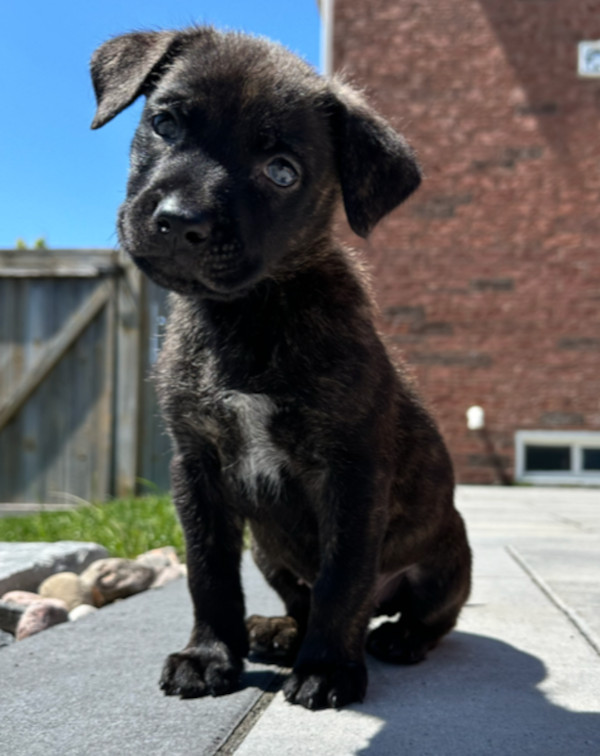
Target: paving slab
(91,687)
(516,677)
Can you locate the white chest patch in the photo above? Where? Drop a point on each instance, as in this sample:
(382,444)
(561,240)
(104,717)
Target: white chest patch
(259,457)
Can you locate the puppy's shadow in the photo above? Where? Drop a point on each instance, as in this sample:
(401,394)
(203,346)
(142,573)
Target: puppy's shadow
(266,677)
(474,696)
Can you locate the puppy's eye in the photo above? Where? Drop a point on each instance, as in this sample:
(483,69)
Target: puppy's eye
(281,172)
(165,125)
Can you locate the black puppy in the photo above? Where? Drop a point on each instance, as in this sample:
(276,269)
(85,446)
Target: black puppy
(283,405)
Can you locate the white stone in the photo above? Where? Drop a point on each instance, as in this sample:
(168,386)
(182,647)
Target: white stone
(83,610)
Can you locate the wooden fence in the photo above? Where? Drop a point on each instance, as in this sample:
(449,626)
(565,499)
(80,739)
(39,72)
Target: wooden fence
(79,330)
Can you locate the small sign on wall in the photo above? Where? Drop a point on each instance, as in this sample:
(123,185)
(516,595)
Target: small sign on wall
(588,59)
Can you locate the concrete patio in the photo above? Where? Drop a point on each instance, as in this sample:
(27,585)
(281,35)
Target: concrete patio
(520,674)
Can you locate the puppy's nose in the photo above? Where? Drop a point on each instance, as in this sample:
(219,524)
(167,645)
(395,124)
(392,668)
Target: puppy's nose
(179,226)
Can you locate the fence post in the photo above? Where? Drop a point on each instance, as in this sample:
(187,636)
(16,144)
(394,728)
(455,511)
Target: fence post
(128,378)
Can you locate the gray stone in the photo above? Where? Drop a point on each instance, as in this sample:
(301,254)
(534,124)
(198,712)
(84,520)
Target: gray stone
(24,566)
(114,578)
(10,614)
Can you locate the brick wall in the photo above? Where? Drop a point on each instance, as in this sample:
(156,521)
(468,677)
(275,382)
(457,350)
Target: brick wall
(488,278)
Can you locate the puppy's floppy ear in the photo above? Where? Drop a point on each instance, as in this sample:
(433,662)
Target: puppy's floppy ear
(376,167)
(122,67)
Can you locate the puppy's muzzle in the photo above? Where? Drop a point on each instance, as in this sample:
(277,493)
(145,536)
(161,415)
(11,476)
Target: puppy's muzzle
(177,227)
(187,245)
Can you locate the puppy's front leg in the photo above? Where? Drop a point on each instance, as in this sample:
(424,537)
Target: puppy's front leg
(211,662)
(330,668)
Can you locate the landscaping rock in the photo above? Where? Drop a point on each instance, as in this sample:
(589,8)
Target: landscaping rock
(20,598)
(63,594)
(83,610)
(10,614)
(159,558)
(24,566)
(115,578)
(172,572)
(66,586)
(165,563)
(41,615)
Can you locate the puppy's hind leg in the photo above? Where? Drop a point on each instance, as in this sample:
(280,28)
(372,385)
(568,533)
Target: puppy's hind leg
(429,600)
(278,638)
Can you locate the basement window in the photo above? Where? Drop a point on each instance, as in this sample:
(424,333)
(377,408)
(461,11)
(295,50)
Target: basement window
(557,457)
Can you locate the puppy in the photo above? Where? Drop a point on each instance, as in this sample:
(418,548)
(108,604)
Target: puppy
(284,408)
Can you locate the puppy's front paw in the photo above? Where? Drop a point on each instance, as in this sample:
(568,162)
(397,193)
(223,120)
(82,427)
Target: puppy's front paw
(274,638)
(200,671)
(322,685)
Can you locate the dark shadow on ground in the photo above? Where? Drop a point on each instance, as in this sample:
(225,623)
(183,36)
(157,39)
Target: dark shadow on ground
(476,696)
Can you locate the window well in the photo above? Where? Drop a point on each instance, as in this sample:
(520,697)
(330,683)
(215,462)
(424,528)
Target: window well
(557,457)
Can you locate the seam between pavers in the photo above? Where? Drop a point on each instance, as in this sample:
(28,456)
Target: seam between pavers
(580,624)
(244,726)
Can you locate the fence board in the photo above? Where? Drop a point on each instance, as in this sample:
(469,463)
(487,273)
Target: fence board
(46,353)
(155,447)
(128,380)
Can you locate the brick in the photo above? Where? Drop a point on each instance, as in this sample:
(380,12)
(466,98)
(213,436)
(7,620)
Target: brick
(561,419)
(462,359)
(400,314)
(583,343)
(492,284)
(488,460)
(433,329)
(443,206)
(509,157)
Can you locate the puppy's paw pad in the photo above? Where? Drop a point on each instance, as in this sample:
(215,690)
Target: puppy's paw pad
(321,686)
(191,674)
(273,637)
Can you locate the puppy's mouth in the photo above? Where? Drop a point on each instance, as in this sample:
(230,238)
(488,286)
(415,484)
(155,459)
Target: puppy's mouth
(222,258)
(220,269)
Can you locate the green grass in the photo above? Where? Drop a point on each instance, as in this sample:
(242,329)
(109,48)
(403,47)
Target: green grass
(126,527)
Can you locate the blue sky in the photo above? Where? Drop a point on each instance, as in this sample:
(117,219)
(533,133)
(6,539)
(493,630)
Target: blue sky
(58,179)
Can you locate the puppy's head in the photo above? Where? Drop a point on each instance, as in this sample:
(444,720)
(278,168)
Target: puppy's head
(240,157)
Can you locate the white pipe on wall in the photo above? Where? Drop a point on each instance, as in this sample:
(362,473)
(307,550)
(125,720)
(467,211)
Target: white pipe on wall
(326,36)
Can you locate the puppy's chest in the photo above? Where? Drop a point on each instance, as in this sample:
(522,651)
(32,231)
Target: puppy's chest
(239,425)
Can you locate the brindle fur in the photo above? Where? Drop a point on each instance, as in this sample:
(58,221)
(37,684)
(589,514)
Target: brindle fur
(284,407)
